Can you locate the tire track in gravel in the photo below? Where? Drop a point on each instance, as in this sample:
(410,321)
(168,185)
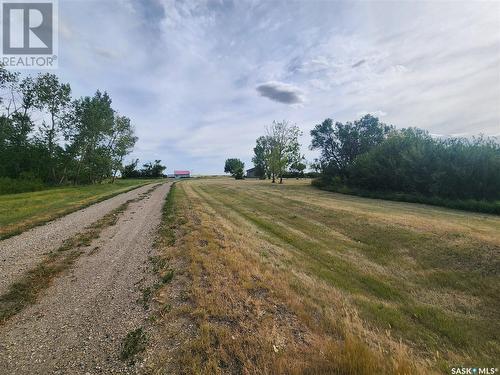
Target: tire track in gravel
(78,325)
(21,253)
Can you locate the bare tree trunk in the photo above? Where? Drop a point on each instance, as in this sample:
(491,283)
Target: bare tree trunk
(51,146)
(77,176)
(116,170)
(63,176)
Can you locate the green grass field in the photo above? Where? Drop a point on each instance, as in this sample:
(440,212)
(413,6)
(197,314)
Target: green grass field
(310,281)
(19,212)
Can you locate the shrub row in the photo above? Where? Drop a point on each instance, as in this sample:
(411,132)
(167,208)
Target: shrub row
(20,185)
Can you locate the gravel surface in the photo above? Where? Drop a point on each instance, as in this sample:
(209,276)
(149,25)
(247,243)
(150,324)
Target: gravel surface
(79,324)
(21,253)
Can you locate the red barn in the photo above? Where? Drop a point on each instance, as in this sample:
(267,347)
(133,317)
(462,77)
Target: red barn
(182,174)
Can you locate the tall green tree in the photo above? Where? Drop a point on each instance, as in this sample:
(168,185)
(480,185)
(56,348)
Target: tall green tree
(53,97)
(148,170)
(8,86)
(15,124)
(130,170)
(235,167)
(90,127)
(121,142)
(284,148)
(262,156)
(340,143)
(298,167)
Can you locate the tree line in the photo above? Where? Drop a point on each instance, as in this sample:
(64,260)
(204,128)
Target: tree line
(370,155)
(48,136)
(367,155)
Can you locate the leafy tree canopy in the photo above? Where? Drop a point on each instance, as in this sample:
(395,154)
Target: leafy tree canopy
(340,144)
(47,135)
(235,167)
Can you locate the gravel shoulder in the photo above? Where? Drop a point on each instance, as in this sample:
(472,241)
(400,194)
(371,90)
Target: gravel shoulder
(21,253)
(78,325)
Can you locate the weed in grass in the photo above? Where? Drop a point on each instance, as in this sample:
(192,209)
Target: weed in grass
(147,295)
(158,263)
(166,308)
(170,220)
(167,277)
(133,344)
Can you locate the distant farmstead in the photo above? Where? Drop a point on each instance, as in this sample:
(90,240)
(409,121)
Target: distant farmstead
(182,174)
(251,173)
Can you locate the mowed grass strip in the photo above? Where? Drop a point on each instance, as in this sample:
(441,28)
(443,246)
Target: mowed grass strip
(243,301)
(26,290)
(19,212)
(399,267)
(363,282)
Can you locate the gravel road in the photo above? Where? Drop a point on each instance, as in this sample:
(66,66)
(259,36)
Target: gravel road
(78,325)
(24,251)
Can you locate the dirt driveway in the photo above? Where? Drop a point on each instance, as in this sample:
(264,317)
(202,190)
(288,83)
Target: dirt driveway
(79,323)
(22,252)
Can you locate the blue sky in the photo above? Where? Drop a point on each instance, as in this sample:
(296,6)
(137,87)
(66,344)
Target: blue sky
(201,79)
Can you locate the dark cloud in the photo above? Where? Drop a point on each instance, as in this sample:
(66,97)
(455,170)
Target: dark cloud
(280,92)
(152,10)
(359,63)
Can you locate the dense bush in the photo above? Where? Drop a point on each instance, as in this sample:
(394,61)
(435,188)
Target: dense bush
(20,185)
(148,170)
(235,167)
(409,165)
(410,161)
